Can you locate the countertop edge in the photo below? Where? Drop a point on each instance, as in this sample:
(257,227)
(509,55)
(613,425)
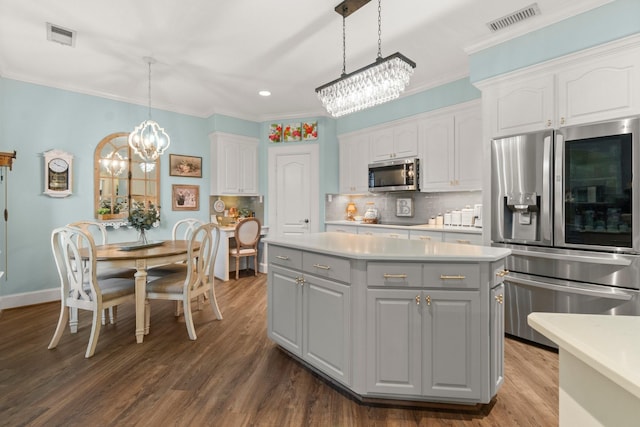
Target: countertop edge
(551,326)
(421,227)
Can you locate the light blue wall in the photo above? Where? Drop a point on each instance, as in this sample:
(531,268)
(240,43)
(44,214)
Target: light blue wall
(610,22)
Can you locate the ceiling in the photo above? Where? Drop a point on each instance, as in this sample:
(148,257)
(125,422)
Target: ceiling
(213,56)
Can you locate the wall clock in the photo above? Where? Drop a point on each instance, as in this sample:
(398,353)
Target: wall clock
(58,173)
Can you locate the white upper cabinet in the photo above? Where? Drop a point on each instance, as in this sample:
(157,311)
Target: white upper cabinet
(395,142)
(590,88)
(354,164)
(451,150)
(234,165)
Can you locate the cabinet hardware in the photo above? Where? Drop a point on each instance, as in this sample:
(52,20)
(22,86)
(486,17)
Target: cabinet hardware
(500,298)
(548,123)
(425,238)
(428,299)
(394,236)
(286,258)
(418,299)
(300,281)
(502,273)
(561,120)
(394,276)
(458,277)
(466,242)
(322,267)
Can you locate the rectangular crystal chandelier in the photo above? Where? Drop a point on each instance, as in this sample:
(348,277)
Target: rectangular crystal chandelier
(377,83)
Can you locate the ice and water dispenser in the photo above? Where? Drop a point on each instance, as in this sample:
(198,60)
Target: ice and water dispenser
(521,219)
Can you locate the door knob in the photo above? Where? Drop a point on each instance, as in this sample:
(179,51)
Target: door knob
(306,221)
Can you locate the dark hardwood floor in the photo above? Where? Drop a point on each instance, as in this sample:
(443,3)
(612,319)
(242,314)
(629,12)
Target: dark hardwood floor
(233,375)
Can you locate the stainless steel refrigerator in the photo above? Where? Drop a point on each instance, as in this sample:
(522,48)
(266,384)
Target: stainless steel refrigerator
(567,204)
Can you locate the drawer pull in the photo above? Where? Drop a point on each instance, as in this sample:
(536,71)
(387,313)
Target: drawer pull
(464,242)
(322,267)
(457,277)
(394,236)
(286,258)
(368,233)
(394,276)
(418,300)
(425,237)
(502,273)
(427,299)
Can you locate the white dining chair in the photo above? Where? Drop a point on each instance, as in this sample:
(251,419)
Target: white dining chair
(246,236)
(193,281)
(98,231)
(80,288)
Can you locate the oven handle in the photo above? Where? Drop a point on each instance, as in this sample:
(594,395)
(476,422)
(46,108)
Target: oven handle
(617,295)
(575,258)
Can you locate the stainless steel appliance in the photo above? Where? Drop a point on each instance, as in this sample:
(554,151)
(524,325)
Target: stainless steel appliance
(395,175)
(567,204)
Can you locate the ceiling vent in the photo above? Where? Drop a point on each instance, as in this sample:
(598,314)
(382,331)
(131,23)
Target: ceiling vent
(57,34)
(515,17)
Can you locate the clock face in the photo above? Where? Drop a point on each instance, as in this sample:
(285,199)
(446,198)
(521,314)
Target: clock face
(58,165)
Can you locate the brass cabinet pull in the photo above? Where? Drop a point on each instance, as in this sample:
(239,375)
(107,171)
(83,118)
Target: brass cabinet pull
(428,299)
(322,267)
(286,258)
(394,276)
(300,281)
(425,237)
(368,233)
(562,120)
(500,298)
(458,277)
(502,273)
(548,123)
(394,236)
(418,299)
(466,242)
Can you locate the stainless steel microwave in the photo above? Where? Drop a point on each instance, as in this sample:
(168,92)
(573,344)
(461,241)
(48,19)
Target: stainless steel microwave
(394,175)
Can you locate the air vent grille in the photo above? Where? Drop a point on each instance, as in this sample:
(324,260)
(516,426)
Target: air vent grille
(515,17)
(61,35)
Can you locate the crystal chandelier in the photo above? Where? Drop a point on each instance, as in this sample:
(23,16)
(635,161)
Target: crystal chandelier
(375,84)
(148,140)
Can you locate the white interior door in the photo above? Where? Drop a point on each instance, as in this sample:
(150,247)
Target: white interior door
(293,189)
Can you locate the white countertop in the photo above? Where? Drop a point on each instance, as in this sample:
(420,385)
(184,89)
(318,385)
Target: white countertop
(366,247)
(608,344)
(447,228)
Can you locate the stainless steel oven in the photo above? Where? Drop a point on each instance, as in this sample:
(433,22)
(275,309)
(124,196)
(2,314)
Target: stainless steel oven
(567,204)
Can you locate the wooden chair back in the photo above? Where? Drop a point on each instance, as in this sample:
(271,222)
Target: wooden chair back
(184,228)
(247,234)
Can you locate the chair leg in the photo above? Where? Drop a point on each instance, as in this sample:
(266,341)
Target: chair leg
(255,265)
(95,333)
(214,302)
(62,321)
(113,314)
(237,267)
(178,308)
(188,319)
(73,319)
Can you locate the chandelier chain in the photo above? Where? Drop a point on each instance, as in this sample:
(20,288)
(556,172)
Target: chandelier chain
(379,28)
(149,89)
(344,46)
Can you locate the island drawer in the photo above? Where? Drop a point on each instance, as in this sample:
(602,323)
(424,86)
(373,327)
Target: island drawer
(452,275)
(329,267)
(394,274)
(286,257)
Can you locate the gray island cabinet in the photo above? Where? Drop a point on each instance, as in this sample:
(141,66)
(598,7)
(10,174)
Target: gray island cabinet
(391,319)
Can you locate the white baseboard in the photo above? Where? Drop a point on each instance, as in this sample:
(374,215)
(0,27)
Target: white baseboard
(29,298)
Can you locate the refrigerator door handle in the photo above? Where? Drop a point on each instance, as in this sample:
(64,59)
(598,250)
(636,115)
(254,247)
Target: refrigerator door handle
(558,185)
(547,196)
(574,288)
(575,258)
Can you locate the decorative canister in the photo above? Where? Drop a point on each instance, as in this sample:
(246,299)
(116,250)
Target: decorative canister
(439,219)
(447,218)
(371,214)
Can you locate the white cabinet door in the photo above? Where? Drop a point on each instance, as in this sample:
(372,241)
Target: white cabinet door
(354,164)
(437,153)
(463,238)
(497,338)
(598,90)
(234,164)
(451,333)
(327,327)
(394,343)
(468,150)
(285,308)
(521,107)
(394,142)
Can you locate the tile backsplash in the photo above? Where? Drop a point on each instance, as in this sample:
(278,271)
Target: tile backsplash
(425,205)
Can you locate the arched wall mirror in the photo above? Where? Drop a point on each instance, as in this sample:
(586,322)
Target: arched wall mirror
(121,177)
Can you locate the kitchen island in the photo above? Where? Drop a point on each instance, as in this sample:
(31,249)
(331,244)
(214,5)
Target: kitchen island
(385,318)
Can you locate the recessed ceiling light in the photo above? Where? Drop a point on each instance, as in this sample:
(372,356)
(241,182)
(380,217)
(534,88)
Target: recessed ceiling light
(264,93)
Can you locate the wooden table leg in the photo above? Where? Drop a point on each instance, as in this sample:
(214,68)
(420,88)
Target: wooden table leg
(141,284)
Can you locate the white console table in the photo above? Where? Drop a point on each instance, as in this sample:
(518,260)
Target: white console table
(599,367)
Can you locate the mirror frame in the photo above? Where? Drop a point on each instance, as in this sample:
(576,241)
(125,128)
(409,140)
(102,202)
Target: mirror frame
(139,186)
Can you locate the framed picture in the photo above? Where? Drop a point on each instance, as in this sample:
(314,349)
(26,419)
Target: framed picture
(309,131)
(185,197)
(292,132)
(275,132)
(404,207)
(185,166)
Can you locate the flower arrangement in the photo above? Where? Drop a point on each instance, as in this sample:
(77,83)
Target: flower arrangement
(142,217)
